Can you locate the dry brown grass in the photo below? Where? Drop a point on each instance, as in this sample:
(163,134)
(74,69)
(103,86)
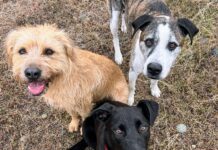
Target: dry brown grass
(190,93)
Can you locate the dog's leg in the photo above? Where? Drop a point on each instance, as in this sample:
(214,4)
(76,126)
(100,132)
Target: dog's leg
(120,91)
(132,83)
(74,124)
(123,24)
(114,25)
(155,91)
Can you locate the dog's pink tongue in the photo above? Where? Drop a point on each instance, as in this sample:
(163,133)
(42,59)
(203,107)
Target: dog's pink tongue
(36,88)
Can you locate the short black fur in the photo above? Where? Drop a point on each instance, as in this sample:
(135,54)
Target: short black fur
(141,23)
(187,28)
(98,128)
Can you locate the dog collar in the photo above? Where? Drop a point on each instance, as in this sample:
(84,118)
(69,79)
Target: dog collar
(105,147)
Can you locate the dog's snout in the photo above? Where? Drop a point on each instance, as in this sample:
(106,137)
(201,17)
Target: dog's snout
(154,69)
(33,73)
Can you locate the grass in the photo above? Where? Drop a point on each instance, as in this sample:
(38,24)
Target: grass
(190,92)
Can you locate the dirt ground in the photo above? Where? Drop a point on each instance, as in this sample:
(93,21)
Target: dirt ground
(190,92)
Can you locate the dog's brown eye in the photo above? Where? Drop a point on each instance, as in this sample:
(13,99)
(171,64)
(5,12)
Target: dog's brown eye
(48,51)
(118,132)
(172,46)
(149,43)
(22,51)
(143,129)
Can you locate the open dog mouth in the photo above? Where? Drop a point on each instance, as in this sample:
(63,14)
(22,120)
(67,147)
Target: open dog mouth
(36,87)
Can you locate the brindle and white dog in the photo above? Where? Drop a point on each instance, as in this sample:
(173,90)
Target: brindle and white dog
(157,38)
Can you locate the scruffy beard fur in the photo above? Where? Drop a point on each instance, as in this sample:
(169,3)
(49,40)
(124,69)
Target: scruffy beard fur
(76,78)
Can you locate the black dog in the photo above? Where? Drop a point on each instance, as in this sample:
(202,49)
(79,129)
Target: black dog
(116,126)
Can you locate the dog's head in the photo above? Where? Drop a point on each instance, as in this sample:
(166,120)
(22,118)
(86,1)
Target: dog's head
(120,127)
(37,54)
(160,39)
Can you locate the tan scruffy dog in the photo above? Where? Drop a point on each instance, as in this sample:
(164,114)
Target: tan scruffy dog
(45,56)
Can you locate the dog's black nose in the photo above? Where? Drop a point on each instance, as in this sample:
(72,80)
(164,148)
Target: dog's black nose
(32,73)
(154,69)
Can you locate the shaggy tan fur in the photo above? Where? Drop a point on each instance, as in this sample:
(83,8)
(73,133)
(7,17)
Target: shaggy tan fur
(76,77)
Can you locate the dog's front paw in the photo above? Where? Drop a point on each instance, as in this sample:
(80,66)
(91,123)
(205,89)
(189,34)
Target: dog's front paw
(123,28)
(156,92)
(118,58)
(131,100)
(74,125)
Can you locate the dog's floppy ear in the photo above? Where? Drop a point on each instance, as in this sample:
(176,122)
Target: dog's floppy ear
(9,45)
(93,126)
(100,135)
(150,110)
(89,134)
(141,23)
(68,44)
(187,28)
(70,50)
(102,114)
(89,131)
